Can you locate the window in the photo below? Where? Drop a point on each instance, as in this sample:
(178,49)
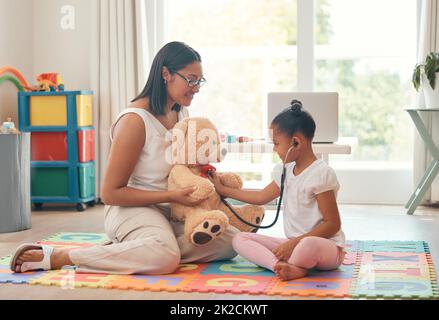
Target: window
(363,49)
(367,53)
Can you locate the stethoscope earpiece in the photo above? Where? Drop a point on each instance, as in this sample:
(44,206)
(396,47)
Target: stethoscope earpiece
(295,143)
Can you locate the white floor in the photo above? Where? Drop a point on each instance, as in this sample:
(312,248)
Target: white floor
(359,223)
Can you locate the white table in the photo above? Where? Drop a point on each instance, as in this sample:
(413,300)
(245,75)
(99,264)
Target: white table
(323,150)
(433,168)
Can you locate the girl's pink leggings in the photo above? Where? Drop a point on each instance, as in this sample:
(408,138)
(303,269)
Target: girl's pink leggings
(310,252)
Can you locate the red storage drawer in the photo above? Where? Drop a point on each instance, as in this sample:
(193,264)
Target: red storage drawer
(52,146)
(86,145)
(49,146)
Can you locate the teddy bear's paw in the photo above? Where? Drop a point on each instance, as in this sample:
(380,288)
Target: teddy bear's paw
(253,214)
(257,218)
(206,231)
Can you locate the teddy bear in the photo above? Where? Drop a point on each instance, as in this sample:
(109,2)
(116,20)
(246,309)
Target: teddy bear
(195,145)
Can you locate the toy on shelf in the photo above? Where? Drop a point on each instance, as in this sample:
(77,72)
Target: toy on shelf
(47,82)
(244,139)
(223,137)
(231,138)
(8,127)
(50,82)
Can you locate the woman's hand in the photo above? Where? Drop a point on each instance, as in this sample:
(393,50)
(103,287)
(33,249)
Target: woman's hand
(219,187)
(284,251)
(183,197)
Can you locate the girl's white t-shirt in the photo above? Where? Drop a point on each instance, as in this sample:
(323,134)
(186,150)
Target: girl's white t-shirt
(301,213)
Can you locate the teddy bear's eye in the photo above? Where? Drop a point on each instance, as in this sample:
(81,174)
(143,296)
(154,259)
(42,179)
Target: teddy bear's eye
(214,142)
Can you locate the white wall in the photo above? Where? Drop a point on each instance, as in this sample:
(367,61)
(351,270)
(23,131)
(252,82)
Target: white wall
(16,49)
(375,186)
(64,51)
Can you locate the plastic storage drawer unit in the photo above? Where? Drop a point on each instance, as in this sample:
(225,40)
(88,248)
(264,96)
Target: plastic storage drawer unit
(62,146)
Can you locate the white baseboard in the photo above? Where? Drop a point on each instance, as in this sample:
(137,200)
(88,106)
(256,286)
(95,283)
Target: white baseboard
(375,186)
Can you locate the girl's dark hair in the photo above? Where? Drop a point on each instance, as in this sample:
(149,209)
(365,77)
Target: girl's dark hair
(294,119)
(175,56)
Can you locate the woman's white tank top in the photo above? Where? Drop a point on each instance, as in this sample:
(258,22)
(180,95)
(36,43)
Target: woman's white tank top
(152,170)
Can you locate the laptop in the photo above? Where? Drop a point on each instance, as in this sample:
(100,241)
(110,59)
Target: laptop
(323,107)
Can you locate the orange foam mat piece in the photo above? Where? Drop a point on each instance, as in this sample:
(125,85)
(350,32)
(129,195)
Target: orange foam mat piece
(230,284)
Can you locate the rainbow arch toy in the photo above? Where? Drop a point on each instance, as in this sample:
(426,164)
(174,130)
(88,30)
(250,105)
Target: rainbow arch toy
(16,78)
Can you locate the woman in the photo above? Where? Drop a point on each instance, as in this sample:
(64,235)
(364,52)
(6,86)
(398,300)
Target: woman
(137,216)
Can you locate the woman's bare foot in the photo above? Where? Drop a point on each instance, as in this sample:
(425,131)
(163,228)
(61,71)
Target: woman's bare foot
(58,259)
(287,271)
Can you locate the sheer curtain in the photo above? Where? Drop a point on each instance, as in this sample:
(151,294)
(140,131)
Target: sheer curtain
(428,41)
(125,37)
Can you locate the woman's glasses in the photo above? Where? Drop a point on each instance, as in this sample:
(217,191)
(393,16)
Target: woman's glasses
(193,83)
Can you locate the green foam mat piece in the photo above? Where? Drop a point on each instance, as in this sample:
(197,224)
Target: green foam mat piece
(76,237)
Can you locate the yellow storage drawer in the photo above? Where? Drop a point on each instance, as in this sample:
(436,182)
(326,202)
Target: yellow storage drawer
(84,110)
(48,110)
(51,110)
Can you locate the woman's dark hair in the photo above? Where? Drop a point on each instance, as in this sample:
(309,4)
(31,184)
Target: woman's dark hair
(294,119)
(174,56)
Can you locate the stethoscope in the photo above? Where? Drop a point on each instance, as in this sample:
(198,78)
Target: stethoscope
(282,186)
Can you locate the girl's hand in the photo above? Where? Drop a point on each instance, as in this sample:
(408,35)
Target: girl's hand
(284,251)
(219,187)
(183,197)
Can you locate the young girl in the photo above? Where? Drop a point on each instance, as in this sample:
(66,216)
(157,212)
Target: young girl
(311,218)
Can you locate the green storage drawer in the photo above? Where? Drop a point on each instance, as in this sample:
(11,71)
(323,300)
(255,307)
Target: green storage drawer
(86,180)
(49,182)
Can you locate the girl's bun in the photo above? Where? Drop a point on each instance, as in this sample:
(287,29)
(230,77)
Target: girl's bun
(295,106)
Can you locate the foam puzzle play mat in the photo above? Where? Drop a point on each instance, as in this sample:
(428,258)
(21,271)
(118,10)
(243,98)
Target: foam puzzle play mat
(371,269)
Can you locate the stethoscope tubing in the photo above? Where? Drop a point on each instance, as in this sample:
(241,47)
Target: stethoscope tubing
(282,186)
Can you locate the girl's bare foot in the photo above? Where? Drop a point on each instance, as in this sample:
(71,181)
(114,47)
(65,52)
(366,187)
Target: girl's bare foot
(286,271)
(58,259)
